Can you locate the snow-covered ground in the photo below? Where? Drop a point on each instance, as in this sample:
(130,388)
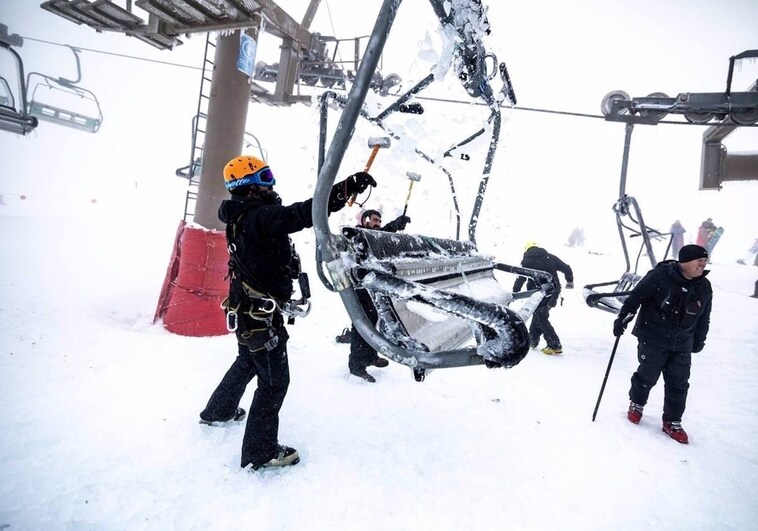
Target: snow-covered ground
(99,406)
(99,413)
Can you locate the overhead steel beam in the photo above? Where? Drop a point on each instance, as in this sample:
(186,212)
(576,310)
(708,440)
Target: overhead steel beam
(717,164)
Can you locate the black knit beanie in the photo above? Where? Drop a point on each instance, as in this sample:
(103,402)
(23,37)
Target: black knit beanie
(689,253)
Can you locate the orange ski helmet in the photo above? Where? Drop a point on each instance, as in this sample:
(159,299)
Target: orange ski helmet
(246,171)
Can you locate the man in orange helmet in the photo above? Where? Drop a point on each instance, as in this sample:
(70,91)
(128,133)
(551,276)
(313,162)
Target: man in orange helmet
(263,263)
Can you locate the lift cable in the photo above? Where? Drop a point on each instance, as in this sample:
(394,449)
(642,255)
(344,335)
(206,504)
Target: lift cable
(114,54)
(442,100)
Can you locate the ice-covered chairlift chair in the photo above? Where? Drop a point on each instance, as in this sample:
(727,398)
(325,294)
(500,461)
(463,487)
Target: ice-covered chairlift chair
(13,118)
(416,280)
(601,295)
(59,101)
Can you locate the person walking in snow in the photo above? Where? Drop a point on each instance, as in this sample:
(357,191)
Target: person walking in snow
(677,237)
(538,258)
(674,301)
(262,266)
(362,354)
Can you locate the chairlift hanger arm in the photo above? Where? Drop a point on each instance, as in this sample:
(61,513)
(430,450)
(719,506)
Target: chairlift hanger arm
(15,120)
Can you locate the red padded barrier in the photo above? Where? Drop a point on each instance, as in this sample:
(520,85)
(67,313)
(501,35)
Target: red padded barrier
(194,286)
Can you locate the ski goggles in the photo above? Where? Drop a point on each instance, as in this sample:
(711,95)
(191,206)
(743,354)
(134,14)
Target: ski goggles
(263,177)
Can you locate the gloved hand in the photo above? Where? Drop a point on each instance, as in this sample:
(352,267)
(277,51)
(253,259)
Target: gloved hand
(569,285)
(402,221)
(698,347)
(358,182)
(621,322)
(341,191)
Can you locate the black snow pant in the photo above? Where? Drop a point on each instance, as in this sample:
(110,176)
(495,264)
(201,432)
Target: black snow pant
(361,353)
(260,442)
(541,324)
(675,367)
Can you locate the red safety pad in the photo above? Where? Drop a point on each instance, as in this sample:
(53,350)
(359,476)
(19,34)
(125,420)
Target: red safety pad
(194,287)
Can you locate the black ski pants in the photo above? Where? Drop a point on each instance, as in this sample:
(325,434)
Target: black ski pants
(361,353)
(540,324)
(675,367)
(260,442)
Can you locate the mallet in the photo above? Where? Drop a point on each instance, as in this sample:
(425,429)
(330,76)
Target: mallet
(414,177)
(375,143)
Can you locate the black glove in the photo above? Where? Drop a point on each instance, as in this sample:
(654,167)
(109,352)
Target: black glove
(358,182)
(569,285)
(402,221)
(619,325)
(698,347)
(341,192)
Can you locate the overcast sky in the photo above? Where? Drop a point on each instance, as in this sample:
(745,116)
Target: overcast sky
(561,55)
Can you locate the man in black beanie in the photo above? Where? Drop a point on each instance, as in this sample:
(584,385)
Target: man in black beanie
(674,299)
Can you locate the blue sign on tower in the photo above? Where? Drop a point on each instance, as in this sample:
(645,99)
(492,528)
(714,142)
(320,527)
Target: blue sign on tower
(246,57)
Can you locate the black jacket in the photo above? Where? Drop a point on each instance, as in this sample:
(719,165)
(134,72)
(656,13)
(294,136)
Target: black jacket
(675,313)
(541,260)
(264,226)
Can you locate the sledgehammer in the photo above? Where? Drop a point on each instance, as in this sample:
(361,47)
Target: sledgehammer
(375,143)
(414,177)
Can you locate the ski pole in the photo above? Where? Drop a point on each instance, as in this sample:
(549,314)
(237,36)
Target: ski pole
(607,371)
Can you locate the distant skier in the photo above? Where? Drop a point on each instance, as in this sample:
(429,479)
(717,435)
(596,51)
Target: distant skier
(677,237)
(362,354)
(538,258)
(576,238)
(704,232)
(674,300)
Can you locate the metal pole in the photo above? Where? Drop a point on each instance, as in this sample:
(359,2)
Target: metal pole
(607,371)
(344,132)
(227,114)
(346,126)
(625,159)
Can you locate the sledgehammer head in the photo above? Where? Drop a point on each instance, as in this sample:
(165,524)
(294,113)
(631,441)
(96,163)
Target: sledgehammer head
(379,142)
(416,177)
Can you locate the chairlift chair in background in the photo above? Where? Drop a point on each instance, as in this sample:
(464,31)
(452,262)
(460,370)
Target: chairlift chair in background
(14,117)
(630,224)
(438,301)
(62,102)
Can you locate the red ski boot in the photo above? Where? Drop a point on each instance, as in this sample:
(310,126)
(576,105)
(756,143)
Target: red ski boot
(635,413)
(675,431)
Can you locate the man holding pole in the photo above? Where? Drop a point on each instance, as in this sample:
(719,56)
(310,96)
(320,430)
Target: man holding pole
(674,300)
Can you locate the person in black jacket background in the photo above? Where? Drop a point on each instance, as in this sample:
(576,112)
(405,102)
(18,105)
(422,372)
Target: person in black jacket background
(262,266)
(361,353)
(541,260)
(674,301)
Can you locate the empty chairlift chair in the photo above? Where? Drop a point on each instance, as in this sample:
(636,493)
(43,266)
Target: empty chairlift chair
(61,101)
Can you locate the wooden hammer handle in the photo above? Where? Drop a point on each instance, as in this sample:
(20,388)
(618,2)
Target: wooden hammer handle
(374,151)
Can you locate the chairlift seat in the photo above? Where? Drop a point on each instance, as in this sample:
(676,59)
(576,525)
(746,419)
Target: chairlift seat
(611,301)
(458,285)
(56,115)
